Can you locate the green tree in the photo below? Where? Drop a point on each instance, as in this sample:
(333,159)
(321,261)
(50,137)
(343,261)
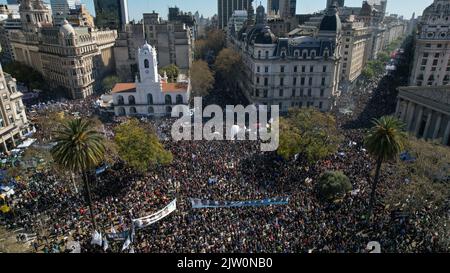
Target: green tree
(333,185)
(31,78)
(202,78)
(139,147)
(172,72)
(79,148)
(384,142)
(310,133)
(109,82)
(228,66)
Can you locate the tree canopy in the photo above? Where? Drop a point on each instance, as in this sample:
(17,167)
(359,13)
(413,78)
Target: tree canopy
(172,72)
(109,82)
(31,78)
(139,147)
(202,78)
(333,185)
(310,133)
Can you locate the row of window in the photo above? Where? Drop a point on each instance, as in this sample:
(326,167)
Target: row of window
(133,111)
(294,81)
(281,93)
(132,99)
(283,69)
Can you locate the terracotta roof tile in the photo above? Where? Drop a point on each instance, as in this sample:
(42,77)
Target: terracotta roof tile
(124,88)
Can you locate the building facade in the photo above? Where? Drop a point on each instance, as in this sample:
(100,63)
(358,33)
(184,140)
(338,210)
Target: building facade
(426,112)
(356,45)
(225,9)
(174,41)
(76,58)
(151,94)
(431,65)
(290,72)
(281,8)
(71,59)
(13,120)
(112,14)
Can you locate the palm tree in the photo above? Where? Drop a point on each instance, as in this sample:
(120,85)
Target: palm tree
(384,142)
(79,148)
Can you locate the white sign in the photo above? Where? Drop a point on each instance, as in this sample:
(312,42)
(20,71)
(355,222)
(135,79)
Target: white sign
(148,220)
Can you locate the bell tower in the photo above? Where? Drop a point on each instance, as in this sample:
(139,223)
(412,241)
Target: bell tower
(148,64)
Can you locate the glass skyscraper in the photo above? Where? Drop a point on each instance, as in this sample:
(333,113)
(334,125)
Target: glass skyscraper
(111,14)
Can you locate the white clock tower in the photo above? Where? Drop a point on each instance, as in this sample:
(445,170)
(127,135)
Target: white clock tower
(148,64)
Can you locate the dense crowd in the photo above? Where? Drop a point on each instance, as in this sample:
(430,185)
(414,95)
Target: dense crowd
(52,205)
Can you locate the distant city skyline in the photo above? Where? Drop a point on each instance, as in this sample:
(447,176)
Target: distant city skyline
(208,8)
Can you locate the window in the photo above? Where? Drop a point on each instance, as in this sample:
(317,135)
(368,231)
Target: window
(295,69)
(256,92)
(302,81)
(266,69)
(131,100)
(149,99)
(266,93)
(267,54)
(324,69)
(436,55)
(151,110)
(121,111)
(322,92)
(310,81)
(257,80)
(424,61)
(281,81)
(435,62)
(282,69)
(303,69)
(309,92)
(323,81)
(120,100)
(301,92)
(259,54)
(294,82)
(168,99)
(266,81)
(311,69)
(320,105)
(293,92)
(281,93)
(258,69)
(179,99)
(133,110)
(425,55)
(146,63)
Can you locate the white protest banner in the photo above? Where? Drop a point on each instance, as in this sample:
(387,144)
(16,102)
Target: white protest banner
(148,220)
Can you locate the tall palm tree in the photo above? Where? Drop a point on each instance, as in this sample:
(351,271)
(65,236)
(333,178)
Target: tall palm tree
(79,148)
(384,142)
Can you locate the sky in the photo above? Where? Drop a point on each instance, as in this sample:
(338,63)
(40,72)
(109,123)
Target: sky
(209,7)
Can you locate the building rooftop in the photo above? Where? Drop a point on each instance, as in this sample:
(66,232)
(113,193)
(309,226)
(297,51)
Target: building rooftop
(124,88)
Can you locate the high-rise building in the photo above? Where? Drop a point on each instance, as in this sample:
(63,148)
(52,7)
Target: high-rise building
(60,9)
(227,7)
(339,3)
(282,8)
(13,2)
(111,14)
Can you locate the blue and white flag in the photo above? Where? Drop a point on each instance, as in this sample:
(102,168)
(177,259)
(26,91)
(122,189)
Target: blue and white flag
(97,239)
(201,204)
(127,244)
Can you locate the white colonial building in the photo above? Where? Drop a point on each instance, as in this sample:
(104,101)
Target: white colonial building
(151,94)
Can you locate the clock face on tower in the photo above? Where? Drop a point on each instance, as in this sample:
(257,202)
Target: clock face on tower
(147,71)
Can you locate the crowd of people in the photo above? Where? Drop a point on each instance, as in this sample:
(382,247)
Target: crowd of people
(53,206)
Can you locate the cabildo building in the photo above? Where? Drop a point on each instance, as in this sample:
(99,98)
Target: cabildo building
(150,94)
(289,72)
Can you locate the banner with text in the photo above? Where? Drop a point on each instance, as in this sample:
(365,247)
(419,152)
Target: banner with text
(201,204)
(148,220)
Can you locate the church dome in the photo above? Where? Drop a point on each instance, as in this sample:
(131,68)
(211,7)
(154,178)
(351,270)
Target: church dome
(66,29)
(331,21)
